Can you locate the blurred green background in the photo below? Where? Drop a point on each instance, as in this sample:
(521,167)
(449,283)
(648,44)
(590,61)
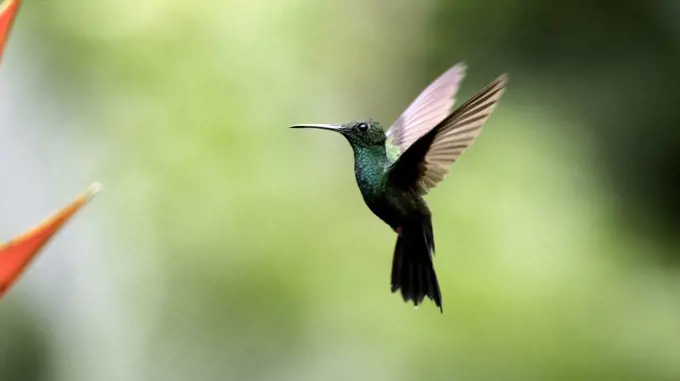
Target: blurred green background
(227,247)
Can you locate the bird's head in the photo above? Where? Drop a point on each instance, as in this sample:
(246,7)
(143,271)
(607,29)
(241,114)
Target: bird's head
(360,133)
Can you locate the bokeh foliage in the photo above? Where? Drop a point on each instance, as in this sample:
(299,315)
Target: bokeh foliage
(233,248)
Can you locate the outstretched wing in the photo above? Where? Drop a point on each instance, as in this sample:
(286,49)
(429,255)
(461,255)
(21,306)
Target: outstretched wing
(426,162)
(428,109)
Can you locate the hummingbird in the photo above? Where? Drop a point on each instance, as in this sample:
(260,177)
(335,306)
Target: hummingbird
(396,167)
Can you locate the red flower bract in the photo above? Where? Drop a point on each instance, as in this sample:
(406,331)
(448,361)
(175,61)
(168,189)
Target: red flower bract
(8,11)
(16,255)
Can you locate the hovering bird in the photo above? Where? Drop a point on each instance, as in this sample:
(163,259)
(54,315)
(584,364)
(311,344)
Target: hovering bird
(395,168)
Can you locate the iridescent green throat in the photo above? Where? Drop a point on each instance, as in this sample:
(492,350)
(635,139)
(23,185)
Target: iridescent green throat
(369,168)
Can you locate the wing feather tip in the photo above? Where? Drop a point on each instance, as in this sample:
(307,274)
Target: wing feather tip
(502,79)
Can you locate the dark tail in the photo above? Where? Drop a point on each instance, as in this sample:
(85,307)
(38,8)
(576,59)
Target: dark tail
(412,268)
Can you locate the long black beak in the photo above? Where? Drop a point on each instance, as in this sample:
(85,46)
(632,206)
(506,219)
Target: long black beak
(332,127)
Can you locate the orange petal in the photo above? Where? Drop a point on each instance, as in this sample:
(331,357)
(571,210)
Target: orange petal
(18,253)
(8,10)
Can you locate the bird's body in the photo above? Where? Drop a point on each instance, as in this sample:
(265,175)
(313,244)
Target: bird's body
(405,211)
(392,205)
(394,169)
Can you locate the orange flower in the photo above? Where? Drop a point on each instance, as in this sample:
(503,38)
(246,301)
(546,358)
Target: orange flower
(18,253)
(8,11)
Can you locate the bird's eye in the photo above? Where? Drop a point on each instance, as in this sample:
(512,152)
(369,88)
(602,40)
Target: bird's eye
(362,127)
